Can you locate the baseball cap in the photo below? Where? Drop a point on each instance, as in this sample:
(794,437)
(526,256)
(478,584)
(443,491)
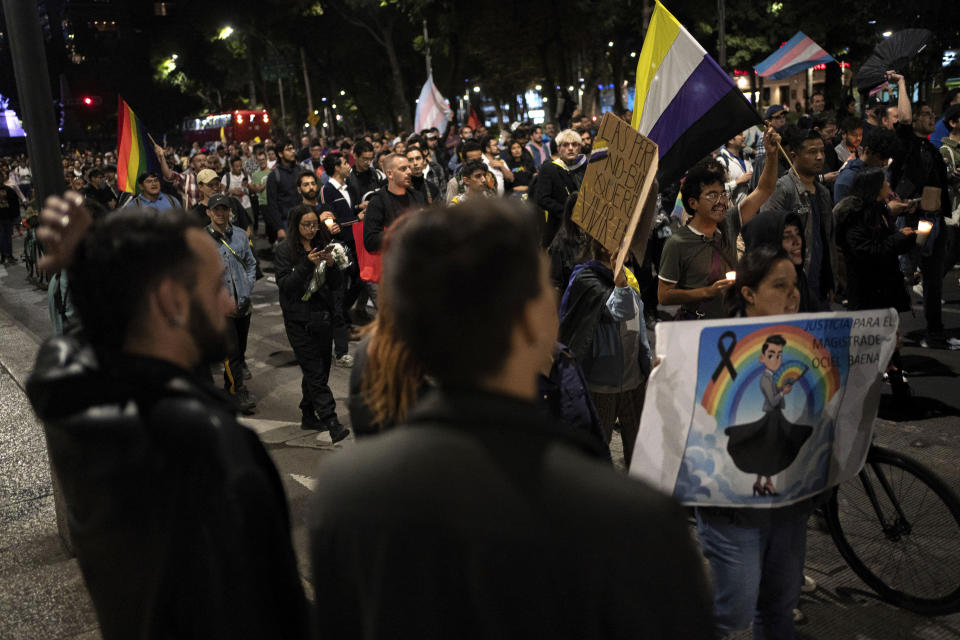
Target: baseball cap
(773,110)
(218,200)
(206,175)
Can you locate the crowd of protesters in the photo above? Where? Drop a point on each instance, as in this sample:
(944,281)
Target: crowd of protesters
(506,342)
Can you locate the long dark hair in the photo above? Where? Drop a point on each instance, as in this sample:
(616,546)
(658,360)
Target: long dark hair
(866,187)
(753,268)
(867,184)
(293,227)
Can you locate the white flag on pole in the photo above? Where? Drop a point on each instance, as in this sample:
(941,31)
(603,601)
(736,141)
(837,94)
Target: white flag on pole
(433,110)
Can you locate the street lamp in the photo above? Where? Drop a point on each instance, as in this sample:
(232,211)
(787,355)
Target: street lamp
(476,89)
(610,44)
(342,92)
(887,34)
(225,33)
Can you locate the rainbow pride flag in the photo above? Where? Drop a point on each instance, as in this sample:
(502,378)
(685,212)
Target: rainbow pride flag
(135,154)
(684,101)
(795,55)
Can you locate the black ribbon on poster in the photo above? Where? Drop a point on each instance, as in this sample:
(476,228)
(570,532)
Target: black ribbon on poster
(725,352)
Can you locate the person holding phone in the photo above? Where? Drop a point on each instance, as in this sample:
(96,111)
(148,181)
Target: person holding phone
(308,276)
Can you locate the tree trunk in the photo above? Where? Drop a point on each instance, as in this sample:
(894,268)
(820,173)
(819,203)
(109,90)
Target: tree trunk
(404,119)
(618,73)
(833,85)
(550,83)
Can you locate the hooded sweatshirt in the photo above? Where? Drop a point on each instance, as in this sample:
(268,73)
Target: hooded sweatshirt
(767,228)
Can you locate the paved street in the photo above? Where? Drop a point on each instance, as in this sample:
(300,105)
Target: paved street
(42,594)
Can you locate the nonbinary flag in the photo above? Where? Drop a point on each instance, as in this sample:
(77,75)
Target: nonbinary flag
(433,110)
(684,102)
(134,151)
(795,55)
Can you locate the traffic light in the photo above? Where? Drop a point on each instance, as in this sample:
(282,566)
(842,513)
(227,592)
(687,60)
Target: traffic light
(85,101)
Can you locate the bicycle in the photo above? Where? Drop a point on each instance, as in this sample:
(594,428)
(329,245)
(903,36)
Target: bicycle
(32,251)
(898,527)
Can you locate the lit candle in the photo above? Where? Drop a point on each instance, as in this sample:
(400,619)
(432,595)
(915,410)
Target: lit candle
(924,226)
(731,275)
(328,222)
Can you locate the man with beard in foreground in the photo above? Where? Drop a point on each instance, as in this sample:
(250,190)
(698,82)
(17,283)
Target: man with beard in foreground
(177,514)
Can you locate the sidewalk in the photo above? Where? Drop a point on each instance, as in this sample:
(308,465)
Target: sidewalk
(42,593)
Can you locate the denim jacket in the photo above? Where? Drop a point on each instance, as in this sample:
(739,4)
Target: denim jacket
(791,195)
(237,257)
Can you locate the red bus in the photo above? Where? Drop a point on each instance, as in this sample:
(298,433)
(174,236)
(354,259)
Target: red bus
(240,125)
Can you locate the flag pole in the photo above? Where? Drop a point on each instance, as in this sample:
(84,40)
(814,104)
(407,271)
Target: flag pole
(766,123)
(787,158)
(426,45)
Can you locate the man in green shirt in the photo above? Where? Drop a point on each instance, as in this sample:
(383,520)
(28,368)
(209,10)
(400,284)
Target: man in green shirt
(696,259)
(258,186)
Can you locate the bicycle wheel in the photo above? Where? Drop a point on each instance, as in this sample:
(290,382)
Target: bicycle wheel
(909,553)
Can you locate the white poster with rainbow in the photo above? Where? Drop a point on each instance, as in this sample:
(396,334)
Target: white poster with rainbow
(762,412)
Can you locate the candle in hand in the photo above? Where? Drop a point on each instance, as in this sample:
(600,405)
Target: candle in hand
(731,275)
(924,226)
(328,222)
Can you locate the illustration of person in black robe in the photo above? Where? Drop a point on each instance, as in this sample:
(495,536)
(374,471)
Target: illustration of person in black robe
(771,444)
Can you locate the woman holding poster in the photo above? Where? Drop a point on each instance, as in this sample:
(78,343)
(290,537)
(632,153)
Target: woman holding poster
(756,555)
(601,321)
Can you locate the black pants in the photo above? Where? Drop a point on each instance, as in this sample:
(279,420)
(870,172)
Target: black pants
(625,406)
(237,331)
(952,249)
(311,344)
(350,291)
(357,292)
(933,272)
(255,212)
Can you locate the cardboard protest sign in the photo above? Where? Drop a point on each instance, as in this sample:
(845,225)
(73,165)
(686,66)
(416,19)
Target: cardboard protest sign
(762,412)
(621,170)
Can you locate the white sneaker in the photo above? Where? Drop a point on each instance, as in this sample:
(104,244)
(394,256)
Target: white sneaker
(345,361)
(798,617)
(809,584)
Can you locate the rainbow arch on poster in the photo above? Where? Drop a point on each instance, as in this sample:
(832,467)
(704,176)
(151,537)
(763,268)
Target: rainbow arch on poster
(722,396)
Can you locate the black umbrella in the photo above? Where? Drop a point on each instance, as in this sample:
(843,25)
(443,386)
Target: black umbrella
(891,54)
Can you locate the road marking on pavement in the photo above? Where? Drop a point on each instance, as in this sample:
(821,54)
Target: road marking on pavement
(307,481)
(262,426)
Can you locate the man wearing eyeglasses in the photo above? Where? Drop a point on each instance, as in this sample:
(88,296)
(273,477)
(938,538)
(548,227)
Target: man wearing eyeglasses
(698,256)
(776,116)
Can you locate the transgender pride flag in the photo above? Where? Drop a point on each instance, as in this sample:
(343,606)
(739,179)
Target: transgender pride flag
(795,55)
(684,102)
(433,110)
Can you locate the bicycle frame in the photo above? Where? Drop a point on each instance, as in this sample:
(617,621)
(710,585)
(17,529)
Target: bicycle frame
(892,530)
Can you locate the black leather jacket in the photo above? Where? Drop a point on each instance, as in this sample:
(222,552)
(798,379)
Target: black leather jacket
(177,514)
